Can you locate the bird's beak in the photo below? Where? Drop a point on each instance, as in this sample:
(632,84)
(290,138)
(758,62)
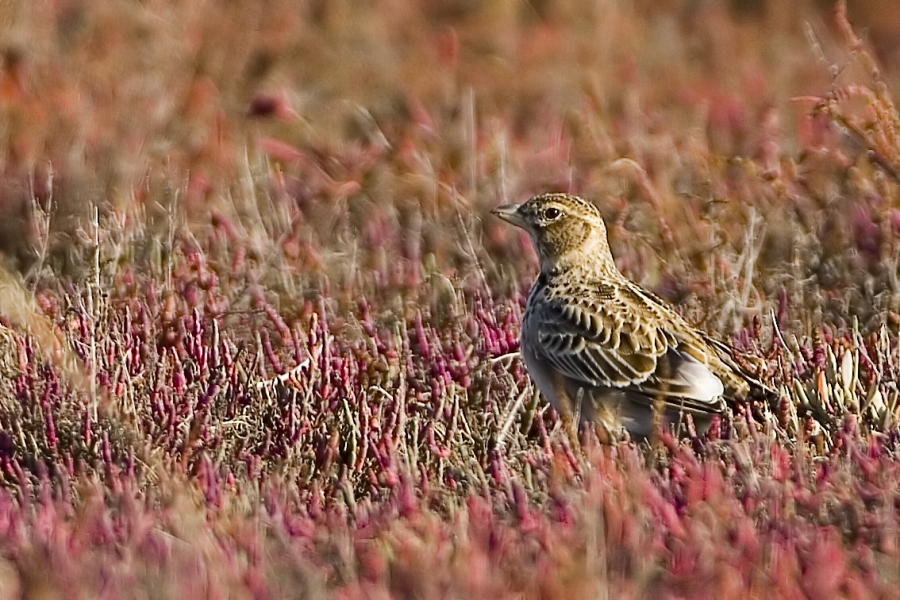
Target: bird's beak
(510,214)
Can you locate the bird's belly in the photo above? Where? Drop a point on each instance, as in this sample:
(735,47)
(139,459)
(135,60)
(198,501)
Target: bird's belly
(543,377)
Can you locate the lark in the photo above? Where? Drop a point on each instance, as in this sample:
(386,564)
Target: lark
(602,349)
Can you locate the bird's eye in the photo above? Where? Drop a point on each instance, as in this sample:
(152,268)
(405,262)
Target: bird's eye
(552,213)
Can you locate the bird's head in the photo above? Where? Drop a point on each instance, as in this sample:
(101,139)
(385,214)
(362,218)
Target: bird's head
(565,230)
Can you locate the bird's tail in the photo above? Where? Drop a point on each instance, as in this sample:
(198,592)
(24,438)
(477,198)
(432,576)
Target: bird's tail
(750,384)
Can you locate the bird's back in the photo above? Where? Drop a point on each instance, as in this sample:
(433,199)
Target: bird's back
(606,340)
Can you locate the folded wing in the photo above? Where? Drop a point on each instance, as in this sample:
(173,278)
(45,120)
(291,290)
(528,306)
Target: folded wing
(626,340)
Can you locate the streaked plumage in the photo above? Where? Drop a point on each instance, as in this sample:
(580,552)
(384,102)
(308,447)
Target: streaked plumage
(599,346)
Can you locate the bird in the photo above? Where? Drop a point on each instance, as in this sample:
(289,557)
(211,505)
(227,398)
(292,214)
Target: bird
(601,348)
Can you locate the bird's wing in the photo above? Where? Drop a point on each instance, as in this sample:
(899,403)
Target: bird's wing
(621,337)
